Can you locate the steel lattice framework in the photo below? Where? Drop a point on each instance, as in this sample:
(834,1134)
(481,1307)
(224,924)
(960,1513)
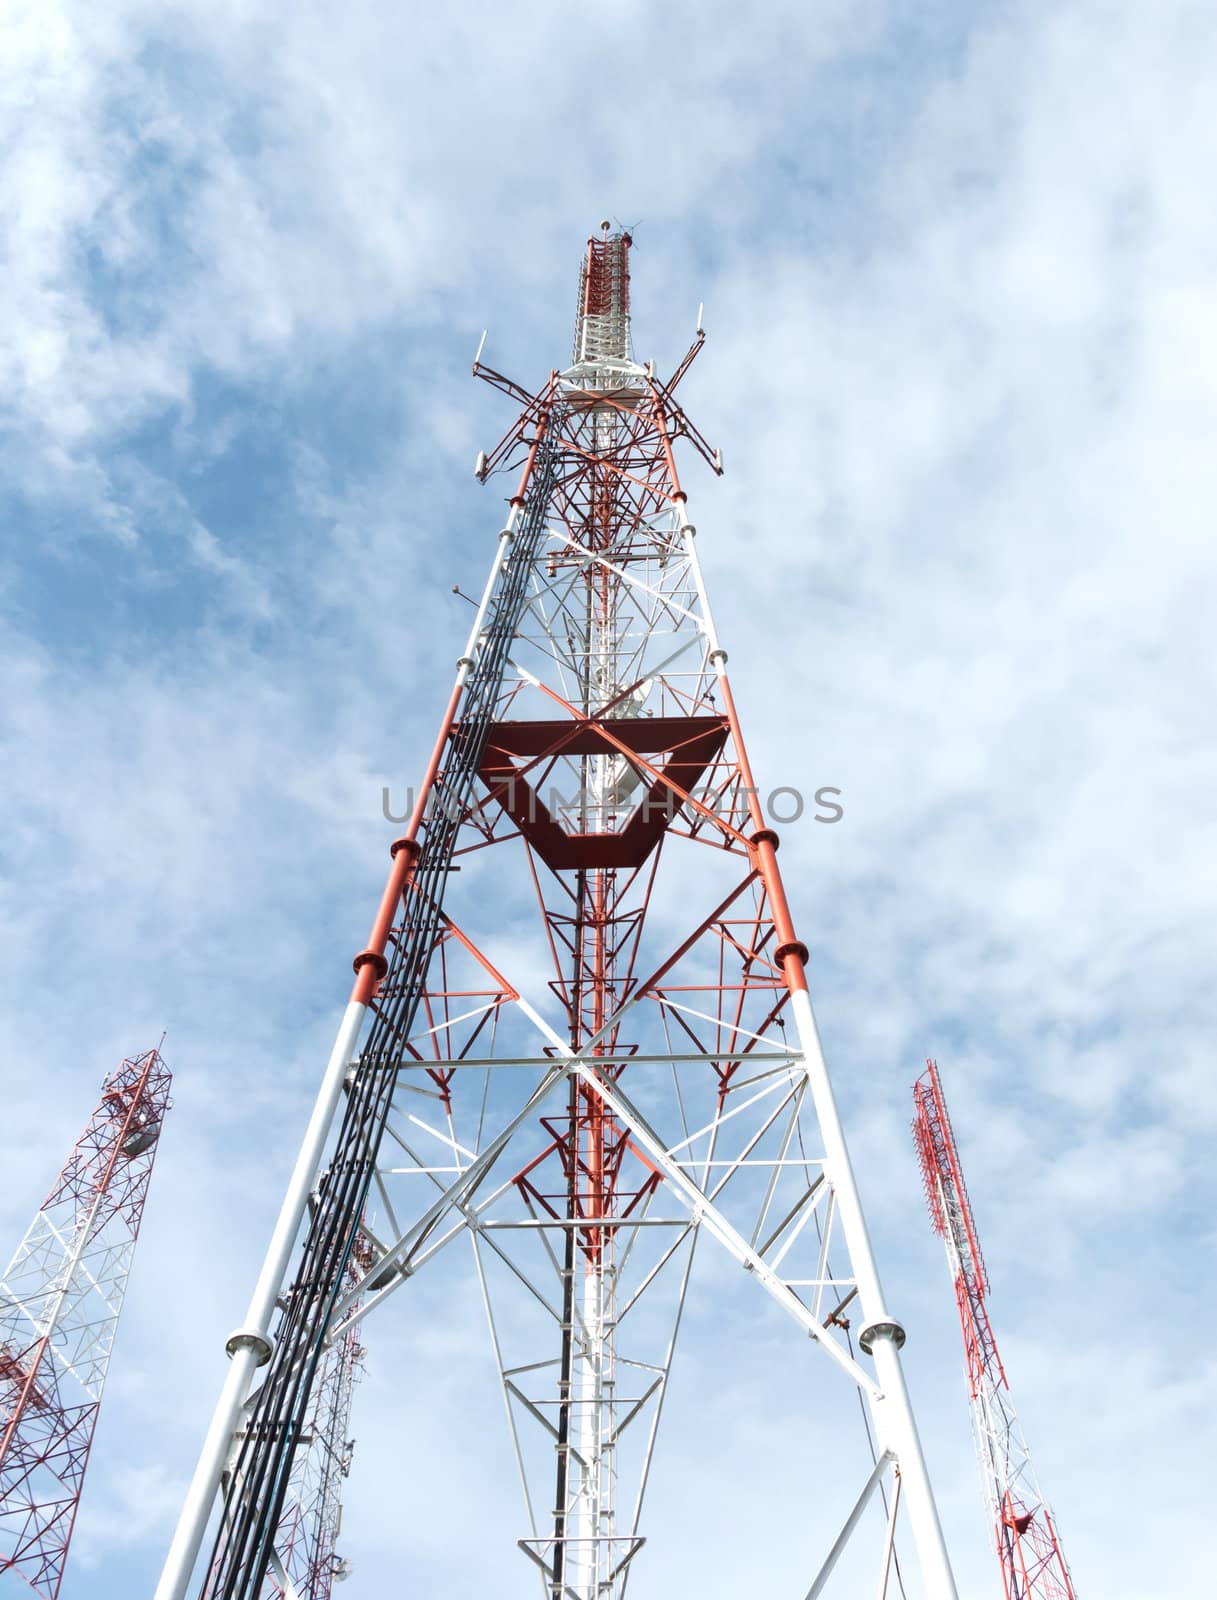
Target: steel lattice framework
(1032,1562)
(305,1563)
(591,1050)
(60,1301)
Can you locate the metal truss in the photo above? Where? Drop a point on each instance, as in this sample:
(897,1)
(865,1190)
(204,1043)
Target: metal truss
(590,1039)
(1025,1535)
(60,1301)
(304,1561)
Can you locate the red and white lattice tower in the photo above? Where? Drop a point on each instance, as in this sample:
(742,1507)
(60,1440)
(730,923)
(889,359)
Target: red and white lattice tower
(60,1301)
(1032,1563)
(587,1052)
(305,1563)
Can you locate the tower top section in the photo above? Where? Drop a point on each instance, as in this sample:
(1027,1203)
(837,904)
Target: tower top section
(602,357)
(603,384)
(602,324)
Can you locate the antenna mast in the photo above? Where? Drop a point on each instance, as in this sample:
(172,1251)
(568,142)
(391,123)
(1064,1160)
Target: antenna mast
(60,1301)
(589,1051)
(1032,1562)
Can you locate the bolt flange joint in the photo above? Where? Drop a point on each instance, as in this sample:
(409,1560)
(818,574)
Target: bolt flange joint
(883,1327)
(249,1339)
(373,959)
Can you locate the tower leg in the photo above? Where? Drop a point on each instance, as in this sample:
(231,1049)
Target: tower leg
(893,1413)
(249,1347)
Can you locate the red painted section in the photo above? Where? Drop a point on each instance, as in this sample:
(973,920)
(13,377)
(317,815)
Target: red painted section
(371,963)
(606,276)
(689,745)
(942,1175)
(791,951)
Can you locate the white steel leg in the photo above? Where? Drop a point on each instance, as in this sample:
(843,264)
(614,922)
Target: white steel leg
(893,1414)
(249,1347)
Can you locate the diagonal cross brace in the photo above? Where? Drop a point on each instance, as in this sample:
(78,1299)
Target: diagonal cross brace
(708,1214)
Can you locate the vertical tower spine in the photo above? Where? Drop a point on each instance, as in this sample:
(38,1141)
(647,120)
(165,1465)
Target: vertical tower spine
(1028,1547)
(60,1301)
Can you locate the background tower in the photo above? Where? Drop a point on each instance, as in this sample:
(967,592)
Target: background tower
(589,1051)
(60,1301)
(305,1564)
(1032,1563)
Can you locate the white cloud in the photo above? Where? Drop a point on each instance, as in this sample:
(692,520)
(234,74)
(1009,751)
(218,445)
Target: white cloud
(960,293)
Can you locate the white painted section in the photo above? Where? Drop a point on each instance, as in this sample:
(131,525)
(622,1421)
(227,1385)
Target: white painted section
(689,534)
(252,1340)
(851,1522)
(583,1547)
(712,1221)
(506,536)
(892,1411)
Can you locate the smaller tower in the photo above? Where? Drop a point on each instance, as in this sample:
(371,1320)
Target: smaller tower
(305,1563)
(60,1301)
(1028,1548)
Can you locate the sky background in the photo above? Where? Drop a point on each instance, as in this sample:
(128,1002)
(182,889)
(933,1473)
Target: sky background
(959,264)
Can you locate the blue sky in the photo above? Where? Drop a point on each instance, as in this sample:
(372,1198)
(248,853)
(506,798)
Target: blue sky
(958,269)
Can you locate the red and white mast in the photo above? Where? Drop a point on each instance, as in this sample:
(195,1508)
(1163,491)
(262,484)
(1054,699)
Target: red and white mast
(60,1301)
(1028,1547)
(589,1049)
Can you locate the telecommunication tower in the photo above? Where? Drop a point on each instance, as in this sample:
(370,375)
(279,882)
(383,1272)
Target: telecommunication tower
(305,1563)
(591,1050)
(60,1301)
(1032,1563)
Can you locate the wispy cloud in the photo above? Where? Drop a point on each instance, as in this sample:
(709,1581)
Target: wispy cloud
(958,276)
